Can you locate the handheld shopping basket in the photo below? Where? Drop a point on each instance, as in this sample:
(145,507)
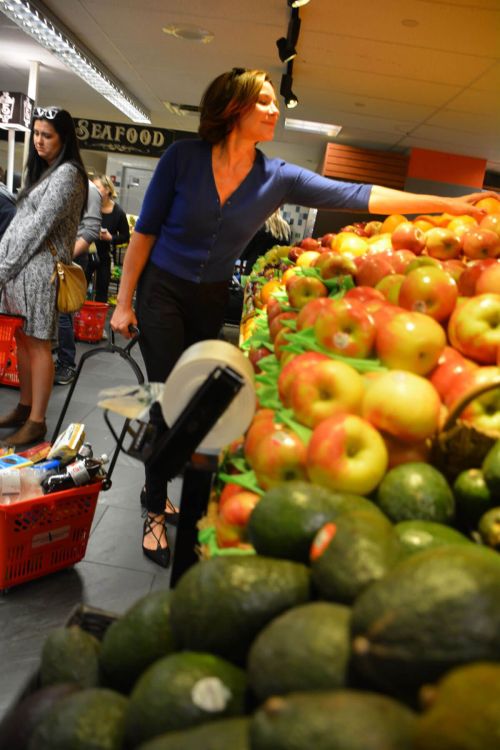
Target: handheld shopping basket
(8,361)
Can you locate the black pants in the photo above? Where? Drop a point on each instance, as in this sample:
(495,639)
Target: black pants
(103,275)
(172,314)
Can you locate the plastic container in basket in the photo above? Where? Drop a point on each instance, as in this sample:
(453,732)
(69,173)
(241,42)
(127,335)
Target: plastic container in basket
(8,359)
(89,321)
(45,534)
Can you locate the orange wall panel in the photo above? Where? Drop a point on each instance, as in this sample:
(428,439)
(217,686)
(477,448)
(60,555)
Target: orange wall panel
(441,167)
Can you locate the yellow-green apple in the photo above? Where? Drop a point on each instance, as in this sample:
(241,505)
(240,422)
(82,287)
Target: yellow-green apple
(402,404)
(429,290)
(489,204)
(491,222)
(324,389)
(344,327)
(484,411)
(481,243)
(380,243)
(468,278)
(406,236)
(350,244)
(390,286)
(489,280)
(401,259)
(442,243)
(307,258)
(402,453)
(373,267)
(423,224)
(422,260)
(292,271)
(330,264)
(461,224)
(308,314)
(474,328)
(410,341)
(451,364)
(346,454)
(280,457)
(292,368)
(302,289)
(372,228)
(277,323)
(390,222)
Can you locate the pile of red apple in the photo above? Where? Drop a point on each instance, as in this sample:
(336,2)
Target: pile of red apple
(390,358)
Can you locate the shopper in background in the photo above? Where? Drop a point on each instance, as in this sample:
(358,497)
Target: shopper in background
(88,232)
(7,208)
(114,231)
(206,200)
(49,209)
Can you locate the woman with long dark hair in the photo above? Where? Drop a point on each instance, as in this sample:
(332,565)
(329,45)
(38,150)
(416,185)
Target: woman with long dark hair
(206,200)
(49,209)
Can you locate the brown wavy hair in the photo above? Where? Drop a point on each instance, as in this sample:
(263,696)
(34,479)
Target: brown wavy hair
(226,99)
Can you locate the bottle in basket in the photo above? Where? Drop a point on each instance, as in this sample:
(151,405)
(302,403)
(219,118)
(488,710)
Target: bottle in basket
(76,474)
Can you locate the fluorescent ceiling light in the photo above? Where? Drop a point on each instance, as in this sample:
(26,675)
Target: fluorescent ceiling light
(36,20)
(309,126)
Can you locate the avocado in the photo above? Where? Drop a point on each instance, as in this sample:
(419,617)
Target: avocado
(225,734)
(334,720)
(362,549)
(20,721)
(92,719)
(70,655)
(134,641)
(287,517)
(435,610)
(416,490)
(491,469)
(182,690)
(306,648)
(465,711)
(417,536)
(219,605)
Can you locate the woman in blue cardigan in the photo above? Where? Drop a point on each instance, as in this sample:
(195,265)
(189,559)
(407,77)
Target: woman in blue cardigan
(206,200)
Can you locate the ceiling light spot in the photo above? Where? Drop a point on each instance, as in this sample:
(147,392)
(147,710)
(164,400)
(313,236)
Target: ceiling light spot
(189,32)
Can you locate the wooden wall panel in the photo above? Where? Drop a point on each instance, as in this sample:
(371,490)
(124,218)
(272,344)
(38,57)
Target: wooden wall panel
(365,165)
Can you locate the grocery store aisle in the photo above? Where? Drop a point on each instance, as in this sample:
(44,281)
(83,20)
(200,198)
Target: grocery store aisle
(114,573)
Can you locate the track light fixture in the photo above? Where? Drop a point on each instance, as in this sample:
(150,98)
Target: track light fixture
(286,92)
(286,50)
(297,3)
(286,45)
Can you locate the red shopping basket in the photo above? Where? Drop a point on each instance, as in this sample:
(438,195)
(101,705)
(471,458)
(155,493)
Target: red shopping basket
(8,351)
(45,534)
(88,322)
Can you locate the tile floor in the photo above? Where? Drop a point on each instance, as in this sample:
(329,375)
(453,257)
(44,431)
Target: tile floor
(114,572)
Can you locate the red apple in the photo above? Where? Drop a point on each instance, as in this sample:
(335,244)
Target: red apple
(263,422)
(294,253)
(489,280)
(237,509)
(292,368)
(390,222)
(346,454)
(481,243)
(324,389)
(277,323)
(484,411)
(280,342)
(256,354)
(308,314)
(474,328)
(403,453)
(410,341)
(451,364)
(454,267)
(229,489)
(280,457)
(468,278)
(408,237)
(402,404)
(429,290)
(372,267)
(372,228)
(309,243)
(327,239)
(401,259)
(442,244)
(364,294)
(491,222)
(273,308)
(344,327)
(302,289)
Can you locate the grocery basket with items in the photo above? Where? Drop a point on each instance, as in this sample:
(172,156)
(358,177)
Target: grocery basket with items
(8,358)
